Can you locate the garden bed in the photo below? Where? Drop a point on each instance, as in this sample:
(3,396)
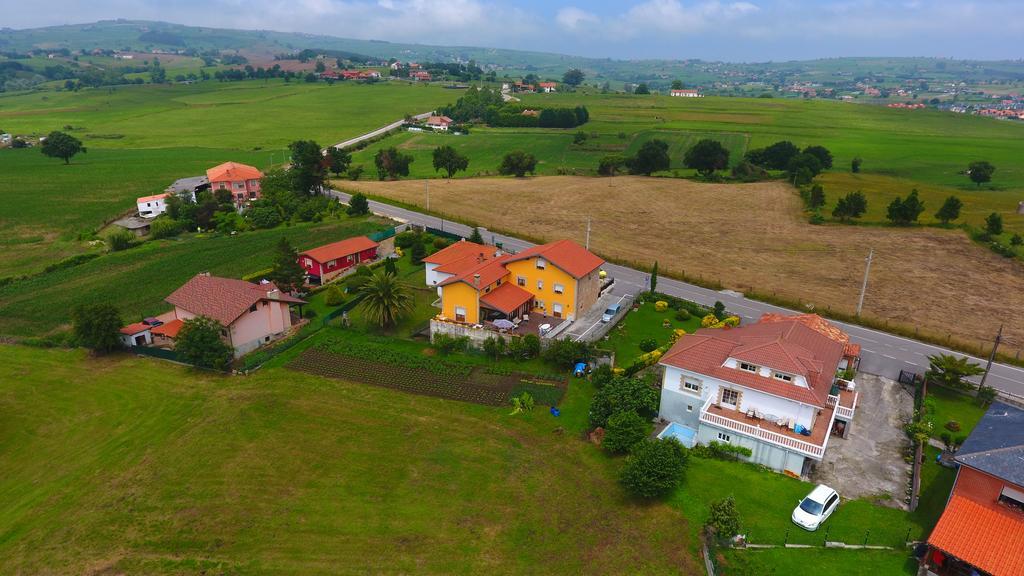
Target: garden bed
(421,375)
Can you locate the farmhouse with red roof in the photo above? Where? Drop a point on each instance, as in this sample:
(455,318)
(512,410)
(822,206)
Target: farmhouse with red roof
(243,181)
(326,262)
(772,387)
(982,529)
(547,87)
(250,315)
(439,122)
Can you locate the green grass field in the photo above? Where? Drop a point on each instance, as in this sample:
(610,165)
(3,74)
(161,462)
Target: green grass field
(132,465)
(138,279)
(952,405)
(821,561)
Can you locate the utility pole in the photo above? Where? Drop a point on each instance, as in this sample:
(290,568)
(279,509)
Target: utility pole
(992,356)
(588,232)
(864,286)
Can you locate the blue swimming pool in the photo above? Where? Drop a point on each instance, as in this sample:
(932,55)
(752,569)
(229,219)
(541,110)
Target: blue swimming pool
(684,434)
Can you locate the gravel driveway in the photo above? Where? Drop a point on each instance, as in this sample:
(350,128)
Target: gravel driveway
(869,461)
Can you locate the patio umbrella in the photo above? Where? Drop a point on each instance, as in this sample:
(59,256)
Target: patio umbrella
(504,324)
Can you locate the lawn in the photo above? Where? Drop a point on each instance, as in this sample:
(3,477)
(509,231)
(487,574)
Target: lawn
(952,405)
(817,561)
(165,470)
(137,280)
(640,324)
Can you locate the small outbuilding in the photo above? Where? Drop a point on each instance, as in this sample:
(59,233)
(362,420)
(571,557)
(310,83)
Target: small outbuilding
(137,334)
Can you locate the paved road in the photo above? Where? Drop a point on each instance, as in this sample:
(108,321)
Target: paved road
(882,354)
(379,131)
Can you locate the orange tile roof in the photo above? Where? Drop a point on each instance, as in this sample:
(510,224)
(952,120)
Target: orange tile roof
(233,172)
(506,298)
(458,251)
(135,328)
(566,254)
(818,324)
(439,120)
(488,270)
(336,250)
(151,198)
(988,537)
(169,329)
(224,299)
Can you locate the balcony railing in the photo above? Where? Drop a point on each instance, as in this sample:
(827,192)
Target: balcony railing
(843,411)
(782,440)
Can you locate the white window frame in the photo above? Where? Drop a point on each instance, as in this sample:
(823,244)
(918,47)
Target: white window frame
(782,376)
(540,284)
(735,404)
(690,385)
(748,367)
(460,311)
(541,264)
(558,288)
(556,309)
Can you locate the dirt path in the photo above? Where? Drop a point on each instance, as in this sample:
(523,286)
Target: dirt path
(751,236)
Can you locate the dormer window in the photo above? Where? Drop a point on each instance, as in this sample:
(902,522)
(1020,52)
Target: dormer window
(749,367)
(783,377)
(541,264)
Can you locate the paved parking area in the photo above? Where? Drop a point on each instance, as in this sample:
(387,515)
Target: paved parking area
(869,461)
(589,326)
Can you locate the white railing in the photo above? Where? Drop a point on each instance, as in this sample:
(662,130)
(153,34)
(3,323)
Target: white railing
(760,433)
(843,411)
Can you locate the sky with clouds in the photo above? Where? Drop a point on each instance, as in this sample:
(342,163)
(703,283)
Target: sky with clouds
(741,30)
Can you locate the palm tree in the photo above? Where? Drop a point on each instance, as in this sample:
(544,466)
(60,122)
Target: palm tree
(950,370)
(386,299)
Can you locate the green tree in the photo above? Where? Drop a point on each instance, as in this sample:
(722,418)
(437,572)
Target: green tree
(622,395)
(448,159)
(339,160)
(494,347)
(97,327)
(476,236)
(950,210)
(391,163)
(418,252)
(822,154)
(774,157)
(264,216)
(654,276)
(724,518)
(855,164)
(386,299)
(808,163)
(951,370)
(390,267)
(61,145)
(652,157)
(308,170)
(120,240)
(904,211)
(286,272)
(199,343)
(518,163)
(624,430)
(573,77)
(980,172)
(853,205)
(706,156)
(994,224)
(654,468)
(358,205)
(642,88)
(677,85)
(817,198)
(611,164)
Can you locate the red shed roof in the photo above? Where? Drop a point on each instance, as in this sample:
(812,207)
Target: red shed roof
(988,537)
(506,298)
(336,250)
(169,329)
(135,328)
(232,172)
(224,299)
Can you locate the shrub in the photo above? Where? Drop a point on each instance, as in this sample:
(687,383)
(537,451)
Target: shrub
(654,468)
(719,309)
(164,228)
(564,352)
(708,321)
(947,439)
(199,343)
(732,321)
(309,313)
(601,376)
(418,253)
(660,306)
(522,403)
(333,296)
(446,344)
(722,451)
(358,205)
(986,395)
(676,335)
(97,327)
(531,343)
(952,426)
(624,430)
(959,440)
(682,315)
(363,270)
(494,346)
(406,239)
(648,344)
(622,394)
(121,240)
(440,243)
(724,518)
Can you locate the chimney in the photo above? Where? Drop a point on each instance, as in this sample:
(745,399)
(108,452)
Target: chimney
(476,280)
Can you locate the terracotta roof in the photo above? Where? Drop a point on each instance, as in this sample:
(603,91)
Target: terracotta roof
(151,198)
(224,299)
(460,250)
(818,324)
(566,254)
(439,120)
(135,328)
(169,329)
(506,298)
(988,537)
(489,270)
(788,346)
(336,250)
(232,172)
(547,84)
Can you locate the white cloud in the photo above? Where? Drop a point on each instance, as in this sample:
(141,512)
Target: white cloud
(573,19)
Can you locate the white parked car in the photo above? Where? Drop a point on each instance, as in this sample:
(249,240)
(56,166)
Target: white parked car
(816,507)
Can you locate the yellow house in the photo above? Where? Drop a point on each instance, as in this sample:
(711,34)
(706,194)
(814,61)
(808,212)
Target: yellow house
(480,283)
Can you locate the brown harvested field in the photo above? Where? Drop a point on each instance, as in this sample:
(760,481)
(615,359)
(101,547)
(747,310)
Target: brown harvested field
(751,236)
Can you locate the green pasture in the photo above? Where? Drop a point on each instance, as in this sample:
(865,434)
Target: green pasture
(137,280)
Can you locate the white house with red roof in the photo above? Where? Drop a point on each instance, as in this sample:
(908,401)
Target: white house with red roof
(250,315)
(685,93)
(439,122)
(547,87)
(773,387)
(152,206)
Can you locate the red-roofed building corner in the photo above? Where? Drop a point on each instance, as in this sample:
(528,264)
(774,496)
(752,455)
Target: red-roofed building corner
(772,387)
